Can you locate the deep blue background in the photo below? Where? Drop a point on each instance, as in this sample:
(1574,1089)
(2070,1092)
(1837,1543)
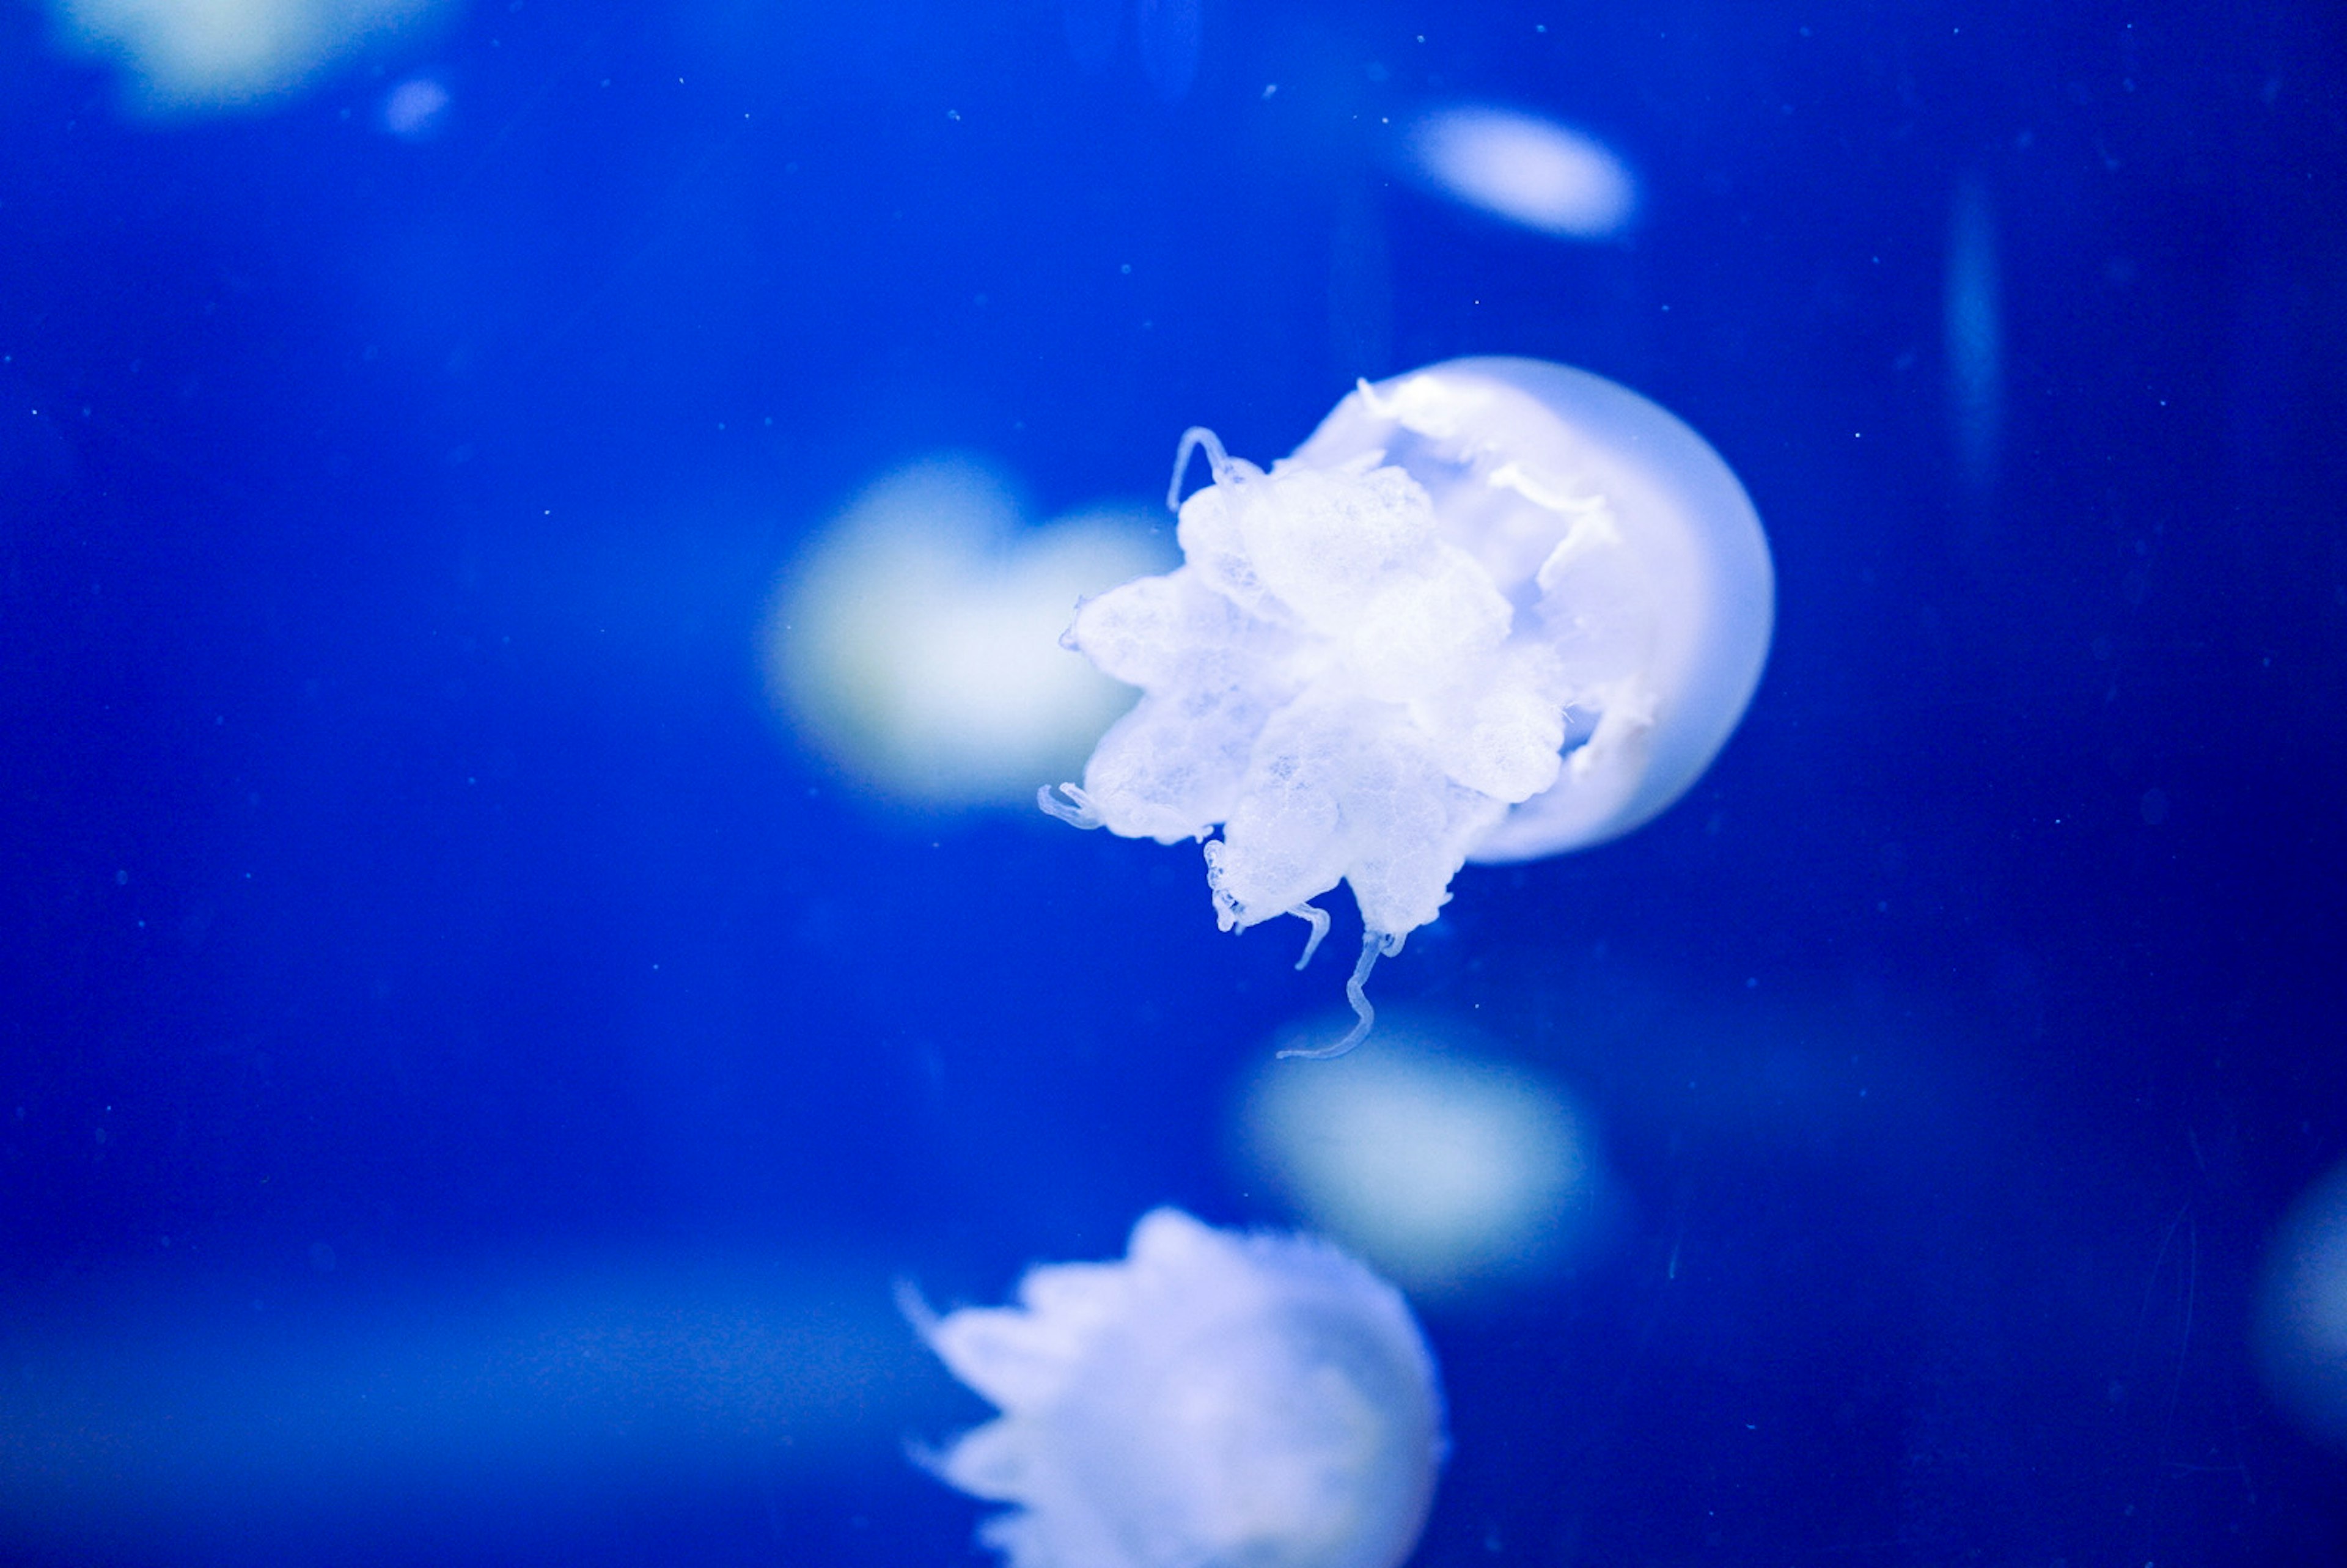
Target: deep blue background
(397,851)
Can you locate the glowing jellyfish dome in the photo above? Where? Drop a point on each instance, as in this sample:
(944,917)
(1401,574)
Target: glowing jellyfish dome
(1454,1172)
(1525,169)
(1493,609)
(911,642)
(1214,1399)
(2301,1336)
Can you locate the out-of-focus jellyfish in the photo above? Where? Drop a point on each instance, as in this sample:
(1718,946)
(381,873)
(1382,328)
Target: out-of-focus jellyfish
(415,109)
(1525,169)
(912,643)
(2303,1314)
(1215,1398)
(1493,609)
(199,55)
(1450,1173)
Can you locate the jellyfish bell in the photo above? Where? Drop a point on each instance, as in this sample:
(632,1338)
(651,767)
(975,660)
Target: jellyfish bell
(1630,542)
(1494,609)
(1214,1397)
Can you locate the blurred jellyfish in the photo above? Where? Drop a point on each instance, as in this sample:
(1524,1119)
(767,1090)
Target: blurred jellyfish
(1494,609)
(1450,1173)
(913,643)
(196,54)
(2302,1315)
(415,109)
(1525,169)
(1215,1398)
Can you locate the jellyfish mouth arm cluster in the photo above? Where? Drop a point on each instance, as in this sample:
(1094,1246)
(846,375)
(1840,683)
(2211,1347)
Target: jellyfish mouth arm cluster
(1494,609)
(1328,681)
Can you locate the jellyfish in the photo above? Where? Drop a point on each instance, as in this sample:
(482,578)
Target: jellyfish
(1214,1398)
(1490,610)
(1454,1173)
(2302,1337)
(1525,169)
(201,55)
(910,644)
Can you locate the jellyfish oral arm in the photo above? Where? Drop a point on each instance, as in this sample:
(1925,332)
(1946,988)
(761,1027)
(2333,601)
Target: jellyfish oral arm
(1318,919)
(1076,811)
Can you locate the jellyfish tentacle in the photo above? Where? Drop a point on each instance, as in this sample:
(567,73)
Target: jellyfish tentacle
(1218,461)
(1318,919)
(916,1308)
(1083,814)
(1374,946)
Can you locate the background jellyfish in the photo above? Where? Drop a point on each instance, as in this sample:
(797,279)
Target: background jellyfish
(1214,1399)
(1525,169)
(911,642)
(1493,609)
(2302,1328)
(208,55)
(1449,1169)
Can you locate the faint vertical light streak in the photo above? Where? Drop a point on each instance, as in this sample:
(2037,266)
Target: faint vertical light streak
(1974,324)
(1169,31)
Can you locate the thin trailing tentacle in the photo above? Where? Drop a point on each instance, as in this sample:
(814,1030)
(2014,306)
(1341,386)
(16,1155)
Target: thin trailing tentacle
(1374,944)
(1083,814)
(1318,919)
(915,1308)
(1218,461)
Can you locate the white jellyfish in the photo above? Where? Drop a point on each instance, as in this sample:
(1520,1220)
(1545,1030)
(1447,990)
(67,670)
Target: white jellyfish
(1214,1399)
(910,644)
(207,55)
(1526,169)
(1452,1172)
(1493,609)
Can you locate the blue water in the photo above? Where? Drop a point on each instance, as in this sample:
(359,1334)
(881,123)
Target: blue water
(433,975)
